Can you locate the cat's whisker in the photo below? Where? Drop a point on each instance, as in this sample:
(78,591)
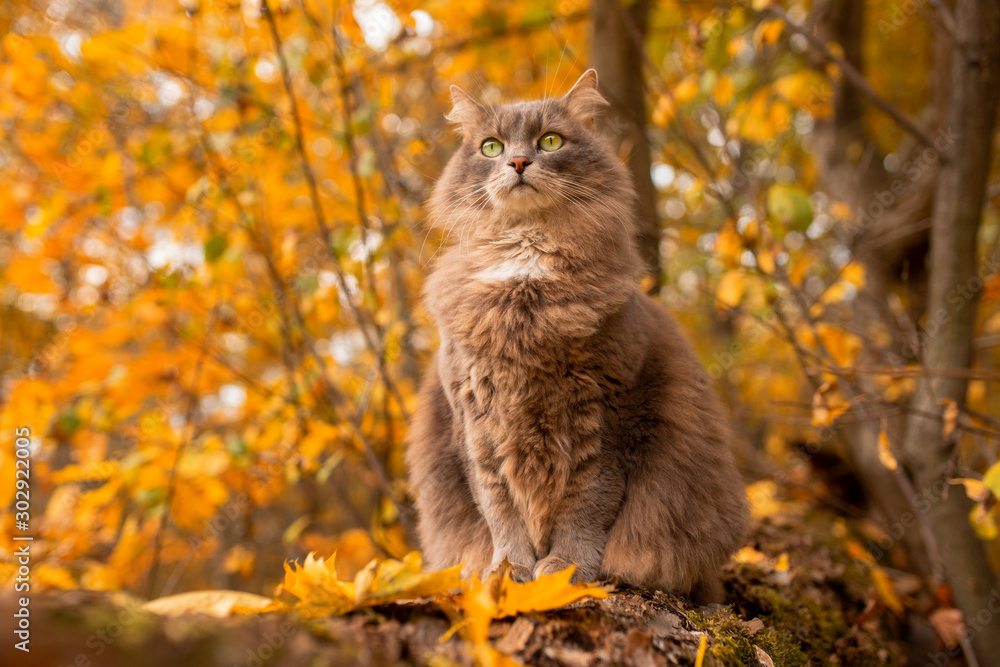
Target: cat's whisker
(442,216)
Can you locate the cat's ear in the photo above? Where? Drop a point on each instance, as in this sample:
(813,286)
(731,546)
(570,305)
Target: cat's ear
(465,109)
(583,100)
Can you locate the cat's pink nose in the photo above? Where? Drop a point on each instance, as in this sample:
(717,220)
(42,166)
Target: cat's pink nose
(519,163)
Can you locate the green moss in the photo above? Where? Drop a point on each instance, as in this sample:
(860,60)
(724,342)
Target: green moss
(731,644)
(812,625)
(785,650)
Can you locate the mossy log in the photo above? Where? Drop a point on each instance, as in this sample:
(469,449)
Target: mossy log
(806,602)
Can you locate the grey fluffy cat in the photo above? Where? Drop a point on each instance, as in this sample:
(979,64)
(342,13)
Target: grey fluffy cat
(565,420)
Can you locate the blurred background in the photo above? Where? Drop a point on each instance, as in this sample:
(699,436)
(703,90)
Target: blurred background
(211,256)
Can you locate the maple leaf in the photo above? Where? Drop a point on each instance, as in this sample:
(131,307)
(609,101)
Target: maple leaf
(212,603)
(397,579)
(549,591)
(317,588)
(321,592)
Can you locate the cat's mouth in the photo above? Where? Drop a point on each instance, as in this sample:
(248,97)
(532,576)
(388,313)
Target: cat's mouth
(521,184)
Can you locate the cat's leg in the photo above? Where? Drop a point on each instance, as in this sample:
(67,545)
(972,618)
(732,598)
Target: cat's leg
(452,529)
(450,526)
(507,527)
(593,496)
(684,511)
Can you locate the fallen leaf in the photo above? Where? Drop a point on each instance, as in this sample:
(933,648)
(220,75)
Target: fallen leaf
(885,590)
(753,626)
(321,593)
(699,658)
(549,591)
(749,556)
(949,625)
(211,603)
(763,657)
(394,580)
(782,565)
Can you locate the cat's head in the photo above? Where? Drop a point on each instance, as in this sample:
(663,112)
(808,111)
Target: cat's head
(540,163)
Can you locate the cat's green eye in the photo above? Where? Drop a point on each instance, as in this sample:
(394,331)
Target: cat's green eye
(491,148)
(550,141)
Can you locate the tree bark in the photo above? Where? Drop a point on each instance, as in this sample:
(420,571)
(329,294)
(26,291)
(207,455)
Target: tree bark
(616,53)
(951,307)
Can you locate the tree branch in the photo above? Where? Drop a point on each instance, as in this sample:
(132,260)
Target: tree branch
(853,76)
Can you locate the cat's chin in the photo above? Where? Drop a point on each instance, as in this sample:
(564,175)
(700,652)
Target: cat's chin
(524,200)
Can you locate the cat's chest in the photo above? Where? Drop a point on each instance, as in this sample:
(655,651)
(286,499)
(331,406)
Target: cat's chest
(515,392)
(518,263)
(529,319)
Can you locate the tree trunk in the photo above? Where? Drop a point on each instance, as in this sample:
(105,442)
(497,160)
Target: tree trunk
(958,203)
(616,54)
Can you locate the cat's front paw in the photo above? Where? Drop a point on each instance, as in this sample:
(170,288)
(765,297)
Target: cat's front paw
(519,573)
(553,564)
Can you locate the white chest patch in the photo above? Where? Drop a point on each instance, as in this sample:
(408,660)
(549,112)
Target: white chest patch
(526,264)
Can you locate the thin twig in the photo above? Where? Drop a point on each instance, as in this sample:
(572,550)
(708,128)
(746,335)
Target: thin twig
(847,371)
(181,448)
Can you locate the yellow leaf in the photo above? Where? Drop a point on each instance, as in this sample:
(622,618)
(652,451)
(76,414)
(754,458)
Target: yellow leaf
(749,556)
(394,580)
(842,345)
(974,489)
(317,588)
(854,274)
(825,412)
(805,90)
(885,456)
(699,658)
(240,560)
(730,291)
(984,521)
(480,608)
(210,603)
(949,418)
(768,32)
(54,576)
(857,551)
(319,436)
(321,593)
(729,245)
(686,90)
(724,90)
(765,260)
(992,479)
(885,590)
(763,498)
(549,591)
(664,111)
(782,565)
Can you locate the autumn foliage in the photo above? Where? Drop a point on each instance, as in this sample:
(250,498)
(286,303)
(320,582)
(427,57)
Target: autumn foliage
(211,255)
